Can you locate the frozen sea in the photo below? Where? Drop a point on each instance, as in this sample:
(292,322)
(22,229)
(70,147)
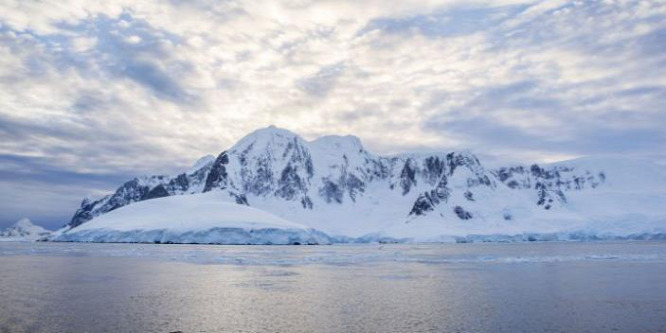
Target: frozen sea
(520,287)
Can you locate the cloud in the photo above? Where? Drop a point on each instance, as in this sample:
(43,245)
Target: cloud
(131,48)
(96,91)
(323,81)
(457,21)
(49,195)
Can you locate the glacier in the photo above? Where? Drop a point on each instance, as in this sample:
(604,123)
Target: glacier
(201,219)
(344,193)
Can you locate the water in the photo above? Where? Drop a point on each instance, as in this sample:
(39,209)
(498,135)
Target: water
(529,287)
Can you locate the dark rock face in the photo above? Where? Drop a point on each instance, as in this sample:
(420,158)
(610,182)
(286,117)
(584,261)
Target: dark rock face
(346,185)
(434,168)
(331,192)
(85,212)
(407,177)
(354,185)
(441,171)
(158,192)
(550,184)
(240,199)
(427,201)
(129,192)
(462,213)
(262,181)
(139,189)
(306,202)
(179,184)
(423,204)
(217,177)
(290,184)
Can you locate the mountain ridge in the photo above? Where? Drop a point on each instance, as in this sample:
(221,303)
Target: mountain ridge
(327,182)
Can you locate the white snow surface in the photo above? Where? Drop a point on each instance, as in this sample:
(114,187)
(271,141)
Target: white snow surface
(23,230)
(200,218)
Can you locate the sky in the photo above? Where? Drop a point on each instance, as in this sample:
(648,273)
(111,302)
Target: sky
(93,93)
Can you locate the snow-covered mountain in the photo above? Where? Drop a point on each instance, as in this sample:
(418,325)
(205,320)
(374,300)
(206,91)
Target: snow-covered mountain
(23,229)
(333,184)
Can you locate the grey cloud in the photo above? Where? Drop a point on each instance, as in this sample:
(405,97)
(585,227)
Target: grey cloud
(573,130)
(86,145)
(93,100)
(41,170)
(458,21)
(152,76)
(323,81)
(147,62)
(486,134)
(516,96)
(592,116)
(47,193)
(587,26)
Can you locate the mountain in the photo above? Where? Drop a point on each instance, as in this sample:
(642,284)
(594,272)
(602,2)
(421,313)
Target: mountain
(334,185)
(23,229)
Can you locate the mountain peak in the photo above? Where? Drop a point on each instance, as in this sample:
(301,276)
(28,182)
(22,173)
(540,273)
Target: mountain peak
(272,130)
(24,228)
(263,137)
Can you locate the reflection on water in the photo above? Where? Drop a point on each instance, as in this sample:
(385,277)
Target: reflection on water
(561,287)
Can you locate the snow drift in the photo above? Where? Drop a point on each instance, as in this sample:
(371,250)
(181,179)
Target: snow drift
(203,218)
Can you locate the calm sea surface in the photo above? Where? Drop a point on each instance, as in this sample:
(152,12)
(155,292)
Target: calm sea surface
(531,287)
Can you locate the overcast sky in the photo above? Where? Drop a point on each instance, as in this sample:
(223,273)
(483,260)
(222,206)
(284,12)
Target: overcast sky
(93,93)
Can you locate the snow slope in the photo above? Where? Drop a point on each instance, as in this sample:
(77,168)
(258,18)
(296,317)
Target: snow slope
(23,230)
(202,218)
(334,185)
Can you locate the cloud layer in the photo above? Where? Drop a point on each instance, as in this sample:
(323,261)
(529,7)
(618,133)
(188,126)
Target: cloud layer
(93,92)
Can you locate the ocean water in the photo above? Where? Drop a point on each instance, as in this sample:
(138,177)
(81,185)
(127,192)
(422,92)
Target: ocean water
(523,287)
